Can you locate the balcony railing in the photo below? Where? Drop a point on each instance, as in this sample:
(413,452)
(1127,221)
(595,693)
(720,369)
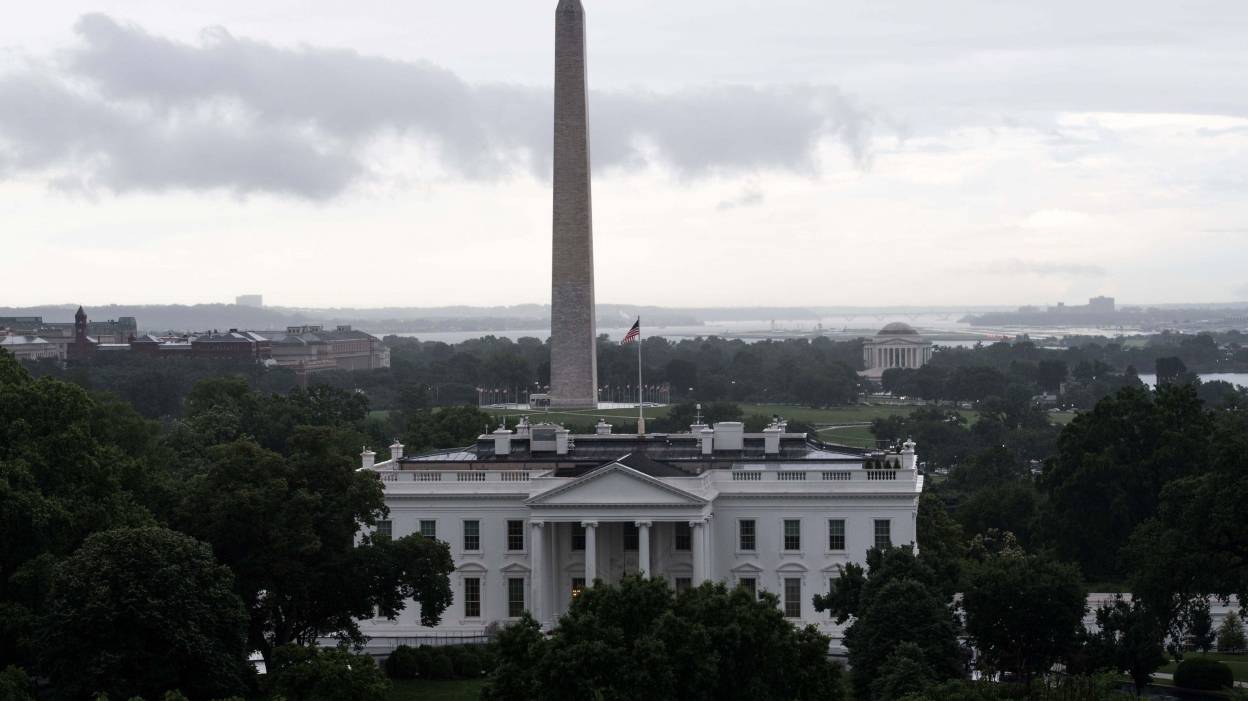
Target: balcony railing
(454,476)
(825,475)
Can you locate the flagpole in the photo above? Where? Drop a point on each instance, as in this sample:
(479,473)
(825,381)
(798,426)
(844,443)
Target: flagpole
(641,405)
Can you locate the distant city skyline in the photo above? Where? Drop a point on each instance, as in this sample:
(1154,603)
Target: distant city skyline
(778,153)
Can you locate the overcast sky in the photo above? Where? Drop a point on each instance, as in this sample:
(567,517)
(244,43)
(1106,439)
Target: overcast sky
(746,152)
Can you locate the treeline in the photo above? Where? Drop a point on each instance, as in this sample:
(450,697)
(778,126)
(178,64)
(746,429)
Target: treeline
(1083,373)
(139,558)
(817,372)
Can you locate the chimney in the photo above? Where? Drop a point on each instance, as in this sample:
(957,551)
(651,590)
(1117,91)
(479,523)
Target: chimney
(522,428)
(707,437)
(729,435)
(367,458)
(561,441)
(771,439)
(908,459)
(502,441)
(602,428)
(396,450)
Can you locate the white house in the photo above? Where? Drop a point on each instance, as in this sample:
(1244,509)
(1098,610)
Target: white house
(534,515)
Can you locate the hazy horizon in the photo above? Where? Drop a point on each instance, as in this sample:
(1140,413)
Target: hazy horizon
(782,153)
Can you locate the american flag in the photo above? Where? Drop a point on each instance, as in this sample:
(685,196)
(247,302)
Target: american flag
(634,334)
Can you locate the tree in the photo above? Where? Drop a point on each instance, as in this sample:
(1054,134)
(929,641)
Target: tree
(1170,371)
(636,640)
(1231,634)
(1023,613)
(1129,638)
(1200,626)
(136,612)
(326,674)
(69,466)
(287,527)
(1111,466)
(902,611)
(905,672)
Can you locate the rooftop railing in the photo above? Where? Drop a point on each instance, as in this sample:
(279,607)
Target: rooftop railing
(454,476)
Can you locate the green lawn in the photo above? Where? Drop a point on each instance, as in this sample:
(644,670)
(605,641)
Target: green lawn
(1237,663)
(429,690)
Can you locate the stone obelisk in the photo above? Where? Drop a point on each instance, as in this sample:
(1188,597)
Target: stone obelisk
(573,357)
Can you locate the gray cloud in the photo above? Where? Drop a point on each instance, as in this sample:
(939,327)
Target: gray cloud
(126,110)
(1014,266)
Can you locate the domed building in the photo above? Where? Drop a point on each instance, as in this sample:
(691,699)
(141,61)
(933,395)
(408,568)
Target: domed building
(897,345)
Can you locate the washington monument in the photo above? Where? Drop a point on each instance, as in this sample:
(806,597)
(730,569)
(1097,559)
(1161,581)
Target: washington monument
(573,357)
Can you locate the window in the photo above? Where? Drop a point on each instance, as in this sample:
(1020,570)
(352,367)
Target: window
(472,535)
(745,530)
(578,586)
(385,529)
(578,537)
(683,584)
(749,584)
(836,534)
(883,533)
(515,597)
(429,529)
(684,536)
(792,534)
(793,597)
(515,535)
(631,537)
(472,597)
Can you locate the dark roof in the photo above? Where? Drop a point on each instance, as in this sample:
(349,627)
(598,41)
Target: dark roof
(637,461)
(897,328)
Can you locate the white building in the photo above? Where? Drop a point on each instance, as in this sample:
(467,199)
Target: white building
(897,345)
(32,348)
(532,516)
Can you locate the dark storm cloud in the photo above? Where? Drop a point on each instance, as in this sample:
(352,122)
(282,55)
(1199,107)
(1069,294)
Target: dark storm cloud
(126,110)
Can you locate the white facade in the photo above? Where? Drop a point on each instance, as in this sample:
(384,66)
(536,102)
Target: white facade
(523,538)
(896,345)
(32,348)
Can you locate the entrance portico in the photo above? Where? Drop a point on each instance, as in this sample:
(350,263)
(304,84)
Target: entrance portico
(609,523)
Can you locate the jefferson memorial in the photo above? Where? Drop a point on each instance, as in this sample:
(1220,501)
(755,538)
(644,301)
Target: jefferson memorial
(897,345)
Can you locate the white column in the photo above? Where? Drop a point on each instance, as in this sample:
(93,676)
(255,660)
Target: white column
(591,552)
(643,548)
(699,551)
(537,564)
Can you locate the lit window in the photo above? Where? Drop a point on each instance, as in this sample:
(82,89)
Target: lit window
(746,531)
(684,536)
(631,536)
(515,535)
(472,597)
(793,597)
(578,586)
(578,537)
(792,534)
(385,529)
(472,535)
(683,584)
(515,597)
(429,529)
(883,533)
(836,534)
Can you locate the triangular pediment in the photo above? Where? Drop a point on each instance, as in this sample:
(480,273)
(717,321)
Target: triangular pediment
(616,485)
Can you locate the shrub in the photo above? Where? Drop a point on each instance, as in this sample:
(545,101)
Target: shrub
(403,663)
(439,665)
(466,661)
(326,674)
(1204,674)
